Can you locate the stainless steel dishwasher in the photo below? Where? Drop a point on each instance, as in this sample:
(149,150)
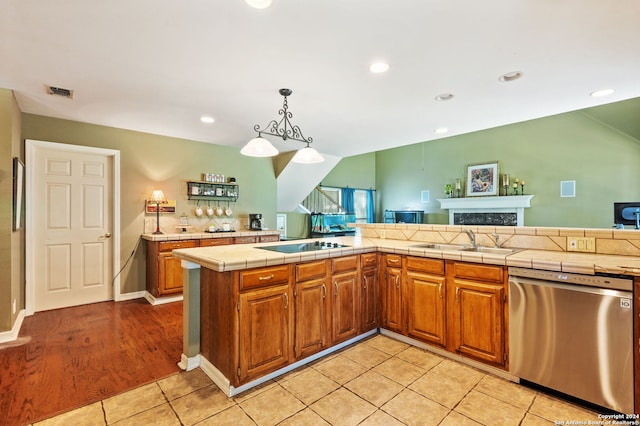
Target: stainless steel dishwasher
(573,333)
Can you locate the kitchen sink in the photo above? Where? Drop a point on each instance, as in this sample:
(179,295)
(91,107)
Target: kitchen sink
(493,250)
(461,247)
(454,247)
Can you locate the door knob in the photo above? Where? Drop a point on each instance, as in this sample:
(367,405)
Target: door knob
(107,235)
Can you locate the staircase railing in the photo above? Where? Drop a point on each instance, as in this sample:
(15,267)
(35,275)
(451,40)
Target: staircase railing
(319,201)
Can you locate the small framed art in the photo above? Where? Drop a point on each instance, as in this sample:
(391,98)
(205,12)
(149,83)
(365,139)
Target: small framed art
(482,179)
(18,188)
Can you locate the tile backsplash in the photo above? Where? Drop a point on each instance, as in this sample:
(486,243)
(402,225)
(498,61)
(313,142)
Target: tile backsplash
(624,242)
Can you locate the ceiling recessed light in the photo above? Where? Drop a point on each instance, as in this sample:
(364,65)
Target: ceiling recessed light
(379,67)
(259,4)
(207,119)
(444,97)
(510,76)
(603,92)
(441,130)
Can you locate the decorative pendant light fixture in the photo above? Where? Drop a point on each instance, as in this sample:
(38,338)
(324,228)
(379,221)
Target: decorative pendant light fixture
(260,147)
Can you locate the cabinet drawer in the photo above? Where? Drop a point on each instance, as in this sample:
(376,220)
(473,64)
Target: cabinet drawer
(368,259)
(172,245)
(430,266)
(473,271)
(269,238)
(393,260)
(245,240)
(307,271)
(264,277)
(343,264)
(210,242)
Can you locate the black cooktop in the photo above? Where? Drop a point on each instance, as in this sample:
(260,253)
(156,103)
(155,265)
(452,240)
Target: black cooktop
(301,247)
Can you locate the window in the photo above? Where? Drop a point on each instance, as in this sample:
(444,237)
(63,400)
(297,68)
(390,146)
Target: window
(360,203)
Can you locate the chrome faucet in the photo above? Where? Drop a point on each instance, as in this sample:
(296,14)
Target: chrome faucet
(496,238)
(472,236)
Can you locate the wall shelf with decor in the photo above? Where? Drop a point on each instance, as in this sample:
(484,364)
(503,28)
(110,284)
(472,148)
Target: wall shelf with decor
(198,190)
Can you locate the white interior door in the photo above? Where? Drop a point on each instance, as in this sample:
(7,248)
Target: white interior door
(72,204)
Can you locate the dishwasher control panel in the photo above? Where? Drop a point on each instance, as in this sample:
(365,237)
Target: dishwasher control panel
(600,281)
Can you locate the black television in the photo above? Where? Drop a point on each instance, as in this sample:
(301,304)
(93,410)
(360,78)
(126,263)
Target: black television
(627,214)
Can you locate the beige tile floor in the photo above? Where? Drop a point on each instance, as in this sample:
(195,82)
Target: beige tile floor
(380,381)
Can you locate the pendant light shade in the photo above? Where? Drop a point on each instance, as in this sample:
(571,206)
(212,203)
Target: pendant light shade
(307,155)
(284,129)
(259,147)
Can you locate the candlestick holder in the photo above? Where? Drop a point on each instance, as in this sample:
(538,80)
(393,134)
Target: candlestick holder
(506,190)
(522,189)
(515,190)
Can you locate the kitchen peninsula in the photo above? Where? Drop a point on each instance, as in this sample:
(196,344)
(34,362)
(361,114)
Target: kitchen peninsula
(252,314)
(164,272)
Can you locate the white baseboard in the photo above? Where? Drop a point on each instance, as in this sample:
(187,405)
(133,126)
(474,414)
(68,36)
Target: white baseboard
(188,364)
(216,376)
(10,336)
(130,296)
(160,300)
(446,354)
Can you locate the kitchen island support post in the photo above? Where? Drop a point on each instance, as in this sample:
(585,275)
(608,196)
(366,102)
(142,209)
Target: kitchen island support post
(190,316)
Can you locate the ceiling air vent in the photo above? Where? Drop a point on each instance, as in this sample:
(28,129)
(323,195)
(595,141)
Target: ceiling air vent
(59,91)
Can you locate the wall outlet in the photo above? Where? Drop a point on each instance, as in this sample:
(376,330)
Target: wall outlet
(383,234)
(15,306)
(581,244)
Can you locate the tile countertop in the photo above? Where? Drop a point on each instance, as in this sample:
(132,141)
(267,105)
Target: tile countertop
(237,257)
(205,235)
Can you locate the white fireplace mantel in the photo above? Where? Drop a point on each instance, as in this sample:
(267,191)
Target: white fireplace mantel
(507,204)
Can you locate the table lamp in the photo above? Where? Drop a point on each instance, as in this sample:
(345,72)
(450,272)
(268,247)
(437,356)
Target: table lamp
(157,197)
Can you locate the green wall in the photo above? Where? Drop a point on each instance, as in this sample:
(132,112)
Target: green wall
(571,146)
(11,242)
(150,162)
(357,172)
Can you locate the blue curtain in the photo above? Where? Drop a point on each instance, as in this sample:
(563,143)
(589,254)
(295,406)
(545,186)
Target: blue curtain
(348,201)
(370,203)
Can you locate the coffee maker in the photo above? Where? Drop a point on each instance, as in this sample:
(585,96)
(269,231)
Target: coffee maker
(255,221)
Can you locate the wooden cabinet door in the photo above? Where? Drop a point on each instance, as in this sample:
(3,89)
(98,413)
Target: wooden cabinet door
(169,274)
(426,307)
(477,320)
(312,322)
(392,300)
(370,299)
(345,306)
(265,330)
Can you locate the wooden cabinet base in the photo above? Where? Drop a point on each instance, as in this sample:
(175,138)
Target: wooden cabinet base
(221,380)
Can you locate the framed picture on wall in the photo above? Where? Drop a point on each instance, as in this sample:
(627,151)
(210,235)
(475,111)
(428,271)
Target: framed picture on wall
(482,179)
(18,185)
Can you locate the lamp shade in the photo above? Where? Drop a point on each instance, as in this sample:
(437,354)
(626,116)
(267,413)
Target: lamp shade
(157,196)
(307,155)
(259,147)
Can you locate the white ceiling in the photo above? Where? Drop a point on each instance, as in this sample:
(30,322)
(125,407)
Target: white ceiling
(158,65)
